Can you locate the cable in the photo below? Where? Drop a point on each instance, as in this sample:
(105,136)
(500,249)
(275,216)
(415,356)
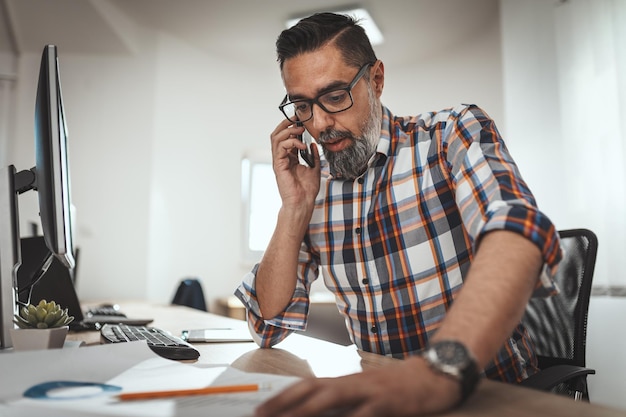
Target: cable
(36,277)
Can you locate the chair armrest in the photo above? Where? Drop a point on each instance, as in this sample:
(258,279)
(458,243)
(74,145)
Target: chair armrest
(550,377)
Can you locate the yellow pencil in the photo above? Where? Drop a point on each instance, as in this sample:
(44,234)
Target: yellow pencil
(184,392)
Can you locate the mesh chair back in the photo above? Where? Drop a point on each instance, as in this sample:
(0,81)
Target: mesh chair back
(558,324)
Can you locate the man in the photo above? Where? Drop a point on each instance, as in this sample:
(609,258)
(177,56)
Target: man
(393,215)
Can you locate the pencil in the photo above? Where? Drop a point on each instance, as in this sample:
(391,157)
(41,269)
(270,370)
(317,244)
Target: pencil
(184,392)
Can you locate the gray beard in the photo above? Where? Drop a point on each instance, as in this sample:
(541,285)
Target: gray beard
(352,161)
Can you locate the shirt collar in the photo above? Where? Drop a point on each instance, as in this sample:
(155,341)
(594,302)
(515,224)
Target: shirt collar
(384,144)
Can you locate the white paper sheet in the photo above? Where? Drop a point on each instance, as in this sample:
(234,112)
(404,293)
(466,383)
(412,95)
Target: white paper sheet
(132,367)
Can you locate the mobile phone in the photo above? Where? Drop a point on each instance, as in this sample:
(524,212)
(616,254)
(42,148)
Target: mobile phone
(306,153)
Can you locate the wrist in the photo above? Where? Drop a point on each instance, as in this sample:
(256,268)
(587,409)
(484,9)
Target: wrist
(452,360)
(295,219)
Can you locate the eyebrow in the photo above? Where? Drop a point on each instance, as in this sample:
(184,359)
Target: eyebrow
(335,85)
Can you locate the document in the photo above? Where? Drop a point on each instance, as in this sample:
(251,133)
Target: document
(87,381)
(233,405)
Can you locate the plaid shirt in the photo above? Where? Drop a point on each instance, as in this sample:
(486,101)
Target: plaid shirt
(395,245)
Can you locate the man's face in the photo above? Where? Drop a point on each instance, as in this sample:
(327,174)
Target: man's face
(348,138)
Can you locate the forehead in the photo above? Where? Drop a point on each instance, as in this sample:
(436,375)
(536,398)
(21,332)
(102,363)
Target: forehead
(306,75)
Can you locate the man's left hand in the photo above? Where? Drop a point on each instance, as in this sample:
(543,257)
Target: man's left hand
(406,388)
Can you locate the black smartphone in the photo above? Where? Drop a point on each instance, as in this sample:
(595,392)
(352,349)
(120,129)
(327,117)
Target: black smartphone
(307,140)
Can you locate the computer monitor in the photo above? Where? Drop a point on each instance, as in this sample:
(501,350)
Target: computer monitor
(50,177)
(51,161)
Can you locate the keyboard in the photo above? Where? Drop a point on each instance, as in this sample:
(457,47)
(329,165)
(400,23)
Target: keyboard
(96,317)
(161,342)
(105,310)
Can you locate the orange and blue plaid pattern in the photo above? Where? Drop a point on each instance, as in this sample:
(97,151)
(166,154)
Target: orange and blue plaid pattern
(395,244)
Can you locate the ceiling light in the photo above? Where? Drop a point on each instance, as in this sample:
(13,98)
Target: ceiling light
(364,19)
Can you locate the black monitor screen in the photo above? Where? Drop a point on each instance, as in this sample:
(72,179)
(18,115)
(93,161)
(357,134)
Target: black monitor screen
(51,160)
(50,177)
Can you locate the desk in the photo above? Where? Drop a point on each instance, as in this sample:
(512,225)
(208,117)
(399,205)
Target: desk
(304,356)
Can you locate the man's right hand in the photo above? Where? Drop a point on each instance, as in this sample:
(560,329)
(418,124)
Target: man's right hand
(298,184)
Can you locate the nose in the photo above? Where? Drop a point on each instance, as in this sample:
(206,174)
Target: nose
(321,120)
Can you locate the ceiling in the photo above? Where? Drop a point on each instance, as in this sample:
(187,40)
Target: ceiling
(239,30)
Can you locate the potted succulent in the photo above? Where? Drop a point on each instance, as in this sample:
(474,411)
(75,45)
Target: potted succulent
(43,326)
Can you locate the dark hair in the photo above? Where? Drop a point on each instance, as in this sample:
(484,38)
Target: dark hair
(313,32)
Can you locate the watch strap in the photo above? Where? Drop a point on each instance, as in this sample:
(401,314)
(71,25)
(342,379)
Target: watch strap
(462,367)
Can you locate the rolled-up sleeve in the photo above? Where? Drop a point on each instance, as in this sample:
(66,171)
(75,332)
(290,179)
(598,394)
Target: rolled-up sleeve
(491,192)
(269,332)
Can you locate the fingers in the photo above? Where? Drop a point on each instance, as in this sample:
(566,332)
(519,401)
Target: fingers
(286,142)
(307,398)
(284,401)
(315,150)
(284,124)
(406,388)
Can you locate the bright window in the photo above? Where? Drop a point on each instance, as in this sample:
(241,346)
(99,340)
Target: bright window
(261,203)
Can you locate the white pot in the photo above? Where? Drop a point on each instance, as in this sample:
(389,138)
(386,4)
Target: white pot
(35,339)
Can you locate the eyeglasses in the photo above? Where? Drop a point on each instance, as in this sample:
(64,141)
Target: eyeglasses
(335,101)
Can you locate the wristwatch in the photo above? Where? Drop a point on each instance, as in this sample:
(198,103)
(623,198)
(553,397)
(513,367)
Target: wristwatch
(451,358)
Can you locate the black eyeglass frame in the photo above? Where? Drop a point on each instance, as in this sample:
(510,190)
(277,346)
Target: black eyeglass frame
(315,100)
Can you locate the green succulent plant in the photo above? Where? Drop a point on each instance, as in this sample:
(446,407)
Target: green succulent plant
(46,315)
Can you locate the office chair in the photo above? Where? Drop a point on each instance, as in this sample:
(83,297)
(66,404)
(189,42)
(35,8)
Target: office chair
(189,293)
(558,324)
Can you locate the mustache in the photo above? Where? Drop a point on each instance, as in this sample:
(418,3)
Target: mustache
(332,134)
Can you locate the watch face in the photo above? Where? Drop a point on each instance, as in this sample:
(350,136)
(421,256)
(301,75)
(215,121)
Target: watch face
(451,358)
(452,353)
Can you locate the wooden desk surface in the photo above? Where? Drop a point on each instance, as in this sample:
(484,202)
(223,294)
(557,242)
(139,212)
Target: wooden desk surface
(303,356)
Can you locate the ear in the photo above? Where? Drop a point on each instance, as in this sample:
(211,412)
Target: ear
(377,77)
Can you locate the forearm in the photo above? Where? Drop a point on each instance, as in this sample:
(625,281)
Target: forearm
(277,272)
(494,295)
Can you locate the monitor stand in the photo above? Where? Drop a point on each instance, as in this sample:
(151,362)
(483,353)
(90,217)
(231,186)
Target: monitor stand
(56,284)
(9,253)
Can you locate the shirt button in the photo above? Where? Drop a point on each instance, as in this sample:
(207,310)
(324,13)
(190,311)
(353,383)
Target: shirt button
(361,180)
(365,281)
(357,230)
(374,329)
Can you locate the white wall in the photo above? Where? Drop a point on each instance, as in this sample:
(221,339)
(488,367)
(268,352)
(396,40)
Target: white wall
(469,71)
(156,140)
(605,351)
(207,114)
(7,98)
(535,131)
(109,123)
(575,166)
(531,103)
